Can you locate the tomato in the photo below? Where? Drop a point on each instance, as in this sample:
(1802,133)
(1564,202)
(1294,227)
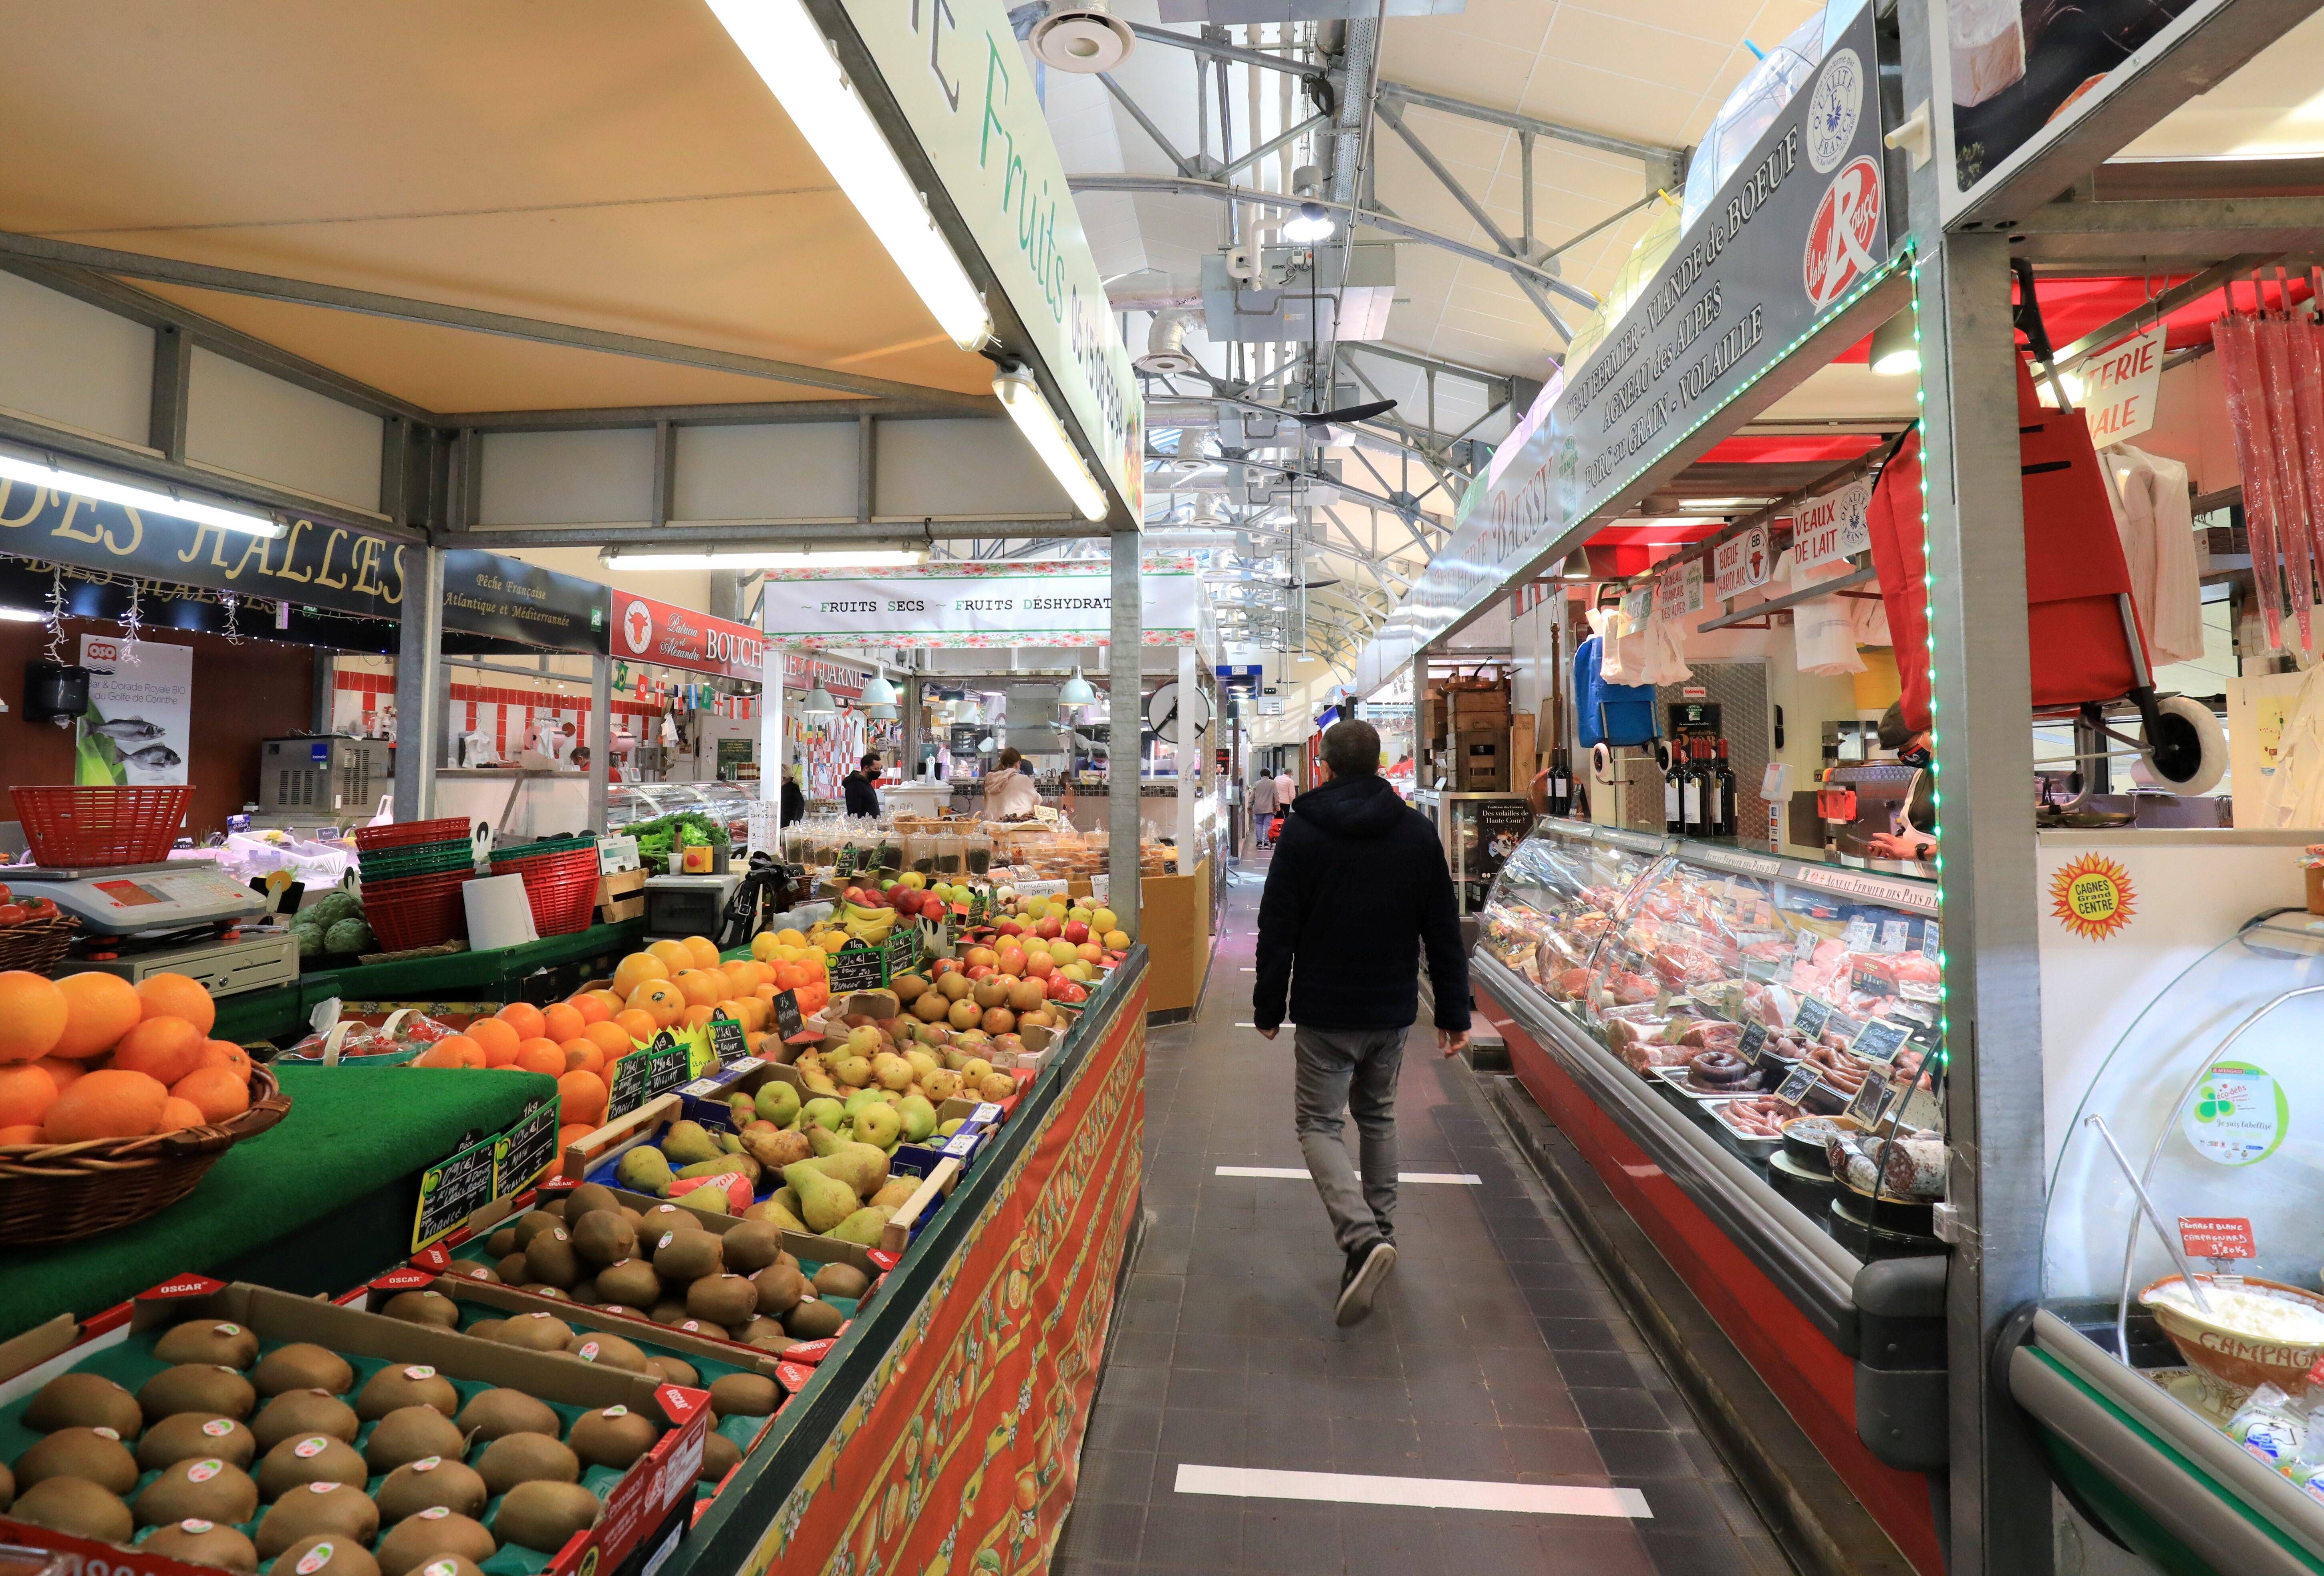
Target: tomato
(14,914)
(6,895)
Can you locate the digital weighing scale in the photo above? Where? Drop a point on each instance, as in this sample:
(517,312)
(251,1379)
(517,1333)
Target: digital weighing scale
(149,907)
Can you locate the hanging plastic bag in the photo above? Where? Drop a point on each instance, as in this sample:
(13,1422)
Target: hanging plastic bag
(2248,417)
(1823,632)
(2293,794)
(1665,640)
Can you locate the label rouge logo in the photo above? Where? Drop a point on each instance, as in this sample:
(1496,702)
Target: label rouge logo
(1840,239)
(637,627)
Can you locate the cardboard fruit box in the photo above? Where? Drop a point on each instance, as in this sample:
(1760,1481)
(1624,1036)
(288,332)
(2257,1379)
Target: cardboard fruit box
(654,1493)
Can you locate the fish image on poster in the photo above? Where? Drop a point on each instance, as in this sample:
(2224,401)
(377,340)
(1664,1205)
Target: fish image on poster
(138,728)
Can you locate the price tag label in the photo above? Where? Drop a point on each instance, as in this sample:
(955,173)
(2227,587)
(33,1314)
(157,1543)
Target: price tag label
(1805,944)
(1814,1013)
(1882,1038)
(2217,1237)
(1859,935)
(846,865)
(984,1115)
(527,1149)
(453,1189)
(1755,1035)
(1868,979)
(1869,1097)
(962,1144)
(789,1019)
(1794,1088)
(903,951)
(648,1075)
(857,967)
(1932,937)
(1894,935)
(727,1041)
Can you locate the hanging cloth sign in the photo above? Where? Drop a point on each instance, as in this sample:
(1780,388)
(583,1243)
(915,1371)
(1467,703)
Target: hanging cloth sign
(1741,562)
(2119,386)
(1835,526)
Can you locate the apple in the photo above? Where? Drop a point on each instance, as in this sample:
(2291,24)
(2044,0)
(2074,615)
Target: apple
(1039,966)
(1117,942)
(1025,995)
(984,955)
(999,1021)
(1104,920)
(965,1015)
(1050,928)
(1076,931)
(943,966)
(991,991)
(912,879)
(983,971)
(1090,952)
(1009,928)
(1072,992)
(930,1004)
(887,883)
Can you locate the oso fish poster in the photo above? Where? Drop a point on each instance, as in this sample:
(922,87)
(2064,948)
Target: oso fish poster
(138,728)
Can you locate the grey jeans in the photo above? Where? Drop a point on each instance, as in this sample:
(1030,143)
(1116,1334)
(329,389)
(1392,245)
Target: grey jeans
(1351,1070)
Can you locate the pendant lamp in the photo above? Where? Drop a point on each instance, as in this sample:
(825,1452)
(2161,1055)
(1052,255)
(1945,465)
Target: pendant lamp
(880,692)
(818,704)
(1077,690)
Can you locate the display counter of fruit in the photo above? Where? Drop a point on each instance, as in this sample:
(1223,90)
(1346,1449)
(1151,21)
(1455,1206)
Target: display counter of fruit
(1744,1051)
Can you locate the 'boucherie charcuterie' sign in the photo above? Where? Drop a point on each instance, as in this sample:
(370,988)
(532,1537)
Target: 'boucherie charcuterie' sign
(646,630)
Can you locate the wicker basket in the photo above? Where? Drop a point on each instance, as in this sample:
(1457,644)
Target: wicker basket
(37,946)
(59,1192)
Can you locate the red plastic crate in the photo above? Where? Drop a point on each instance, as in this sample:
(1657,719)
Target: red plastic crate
(67,825)
(402,833)
(561,887)
(415,911)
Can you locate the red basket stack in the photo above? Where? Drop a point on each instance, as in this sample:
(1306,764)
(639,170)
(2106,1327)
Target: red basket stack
(404,833)
(66,826)
(560,880)
(413,872)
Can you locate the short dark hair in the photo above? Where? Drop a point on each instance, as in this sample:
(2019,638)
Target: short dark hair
(1008,757)
(1893,734)
(1351,749)
(869,763)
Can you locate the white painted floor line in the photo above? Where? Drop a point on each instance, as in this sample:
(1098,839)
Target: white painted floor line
(1440,1493)
(1460,1178)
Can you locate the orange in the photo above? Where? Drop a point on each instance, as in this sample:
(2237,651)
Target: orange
(570,1134)
(638,968)
(220,1091)
(560,1022)
(181,1113)
(582,1056)
(591,1006)
(442,1053)
(26,1093)
(456,1050)
(110,1103)
(99,1009)
(499,1039)
(747,1010)
(539,1055)
(606,998)
(705,951)
(177,996)
(696,1016)
(21,1133)
(610,1038)
(62,1071)
(659,999)
(167,1048)
(636,1023)
(581,1095)
(673,956)
(33,1012)
(525,1019)
(741,979)
(225,1053)
(700,987)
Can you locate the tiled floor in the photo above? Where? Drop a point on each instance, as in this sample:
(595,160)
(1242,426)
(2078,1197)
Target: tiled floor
(1495,1352)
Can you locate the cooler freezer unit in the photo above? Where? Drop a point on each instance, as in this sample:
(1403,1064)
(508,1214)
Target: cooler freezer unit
(322,774)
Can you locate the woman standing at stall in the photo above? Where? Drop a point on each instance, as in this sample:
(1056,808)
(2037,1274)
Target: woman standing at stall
(1010,793)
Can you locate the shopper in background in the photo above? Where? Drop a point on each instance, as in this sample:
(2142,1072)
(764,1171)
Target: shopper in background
(1358,888)
(1010,793)
(794,803)
(863,797)
(1917,840)
(1262,807)
(1285,790)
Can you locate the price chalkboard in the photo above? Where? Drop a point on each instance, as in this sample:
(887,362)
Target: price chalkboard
(1882,1038)
(453,1189)
(647,1074)
(789,1021)
(903,950)
(845,867)
(858,967)
(527,1149)
(1755,1035)
(727,1041)
(1814,1013)
(1796,1087)
(1866,1107)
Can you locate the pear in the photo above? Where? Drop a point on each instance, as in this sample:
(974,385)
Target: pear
(862,1167)
(858,1101)
(947,1130)
(645,1169)
(825,1113)
(920,1118)
(708,1201)
(879,1126)
(864,1226)
(895,1192)
(778,1103)
(827,1141)
(891,1070)
(827,1200)
(775,1214)
(817,1081)
(855,1072)
(687,1142)
(776,1151)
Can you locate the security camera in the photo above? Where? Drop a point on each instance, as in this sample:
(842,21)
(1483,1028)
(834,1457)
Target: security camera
(1082,36)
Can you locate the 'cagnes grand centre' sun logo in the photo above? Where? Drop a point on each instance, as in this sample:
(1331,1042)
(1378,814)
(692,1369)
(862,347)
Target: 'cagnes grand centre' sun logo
(2092,897)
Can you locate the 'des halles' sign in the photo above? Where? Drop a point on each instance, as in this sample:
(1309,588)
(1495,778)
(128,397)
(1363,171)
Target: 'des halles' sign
(1800,226)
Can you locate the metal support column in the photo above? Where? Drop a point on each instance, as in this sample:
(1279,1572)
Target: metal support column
(173,372)
(911,763)
(1126,708)
(664,504)
(867,459)
(601,735)
(419,686)
(326,683)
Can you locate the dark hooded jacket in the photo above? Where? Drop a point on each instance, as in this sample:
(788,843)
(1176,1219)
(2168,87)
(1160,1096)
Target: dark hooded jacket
(1357,890)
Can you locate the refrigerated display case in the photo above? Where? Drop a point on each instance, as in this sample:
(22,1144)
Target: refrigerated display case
(729,804)
(1479,833)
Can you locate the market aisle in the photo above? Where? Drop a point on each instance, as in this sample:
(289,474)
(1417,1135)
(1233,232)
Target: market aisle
(1494,1356)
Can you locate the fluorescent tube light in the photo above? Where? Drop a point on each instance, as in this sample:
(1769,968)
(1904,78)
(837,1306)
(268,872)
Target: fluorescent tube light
(138,498)
(792,56)
(21,615)
(1020,396)
(769,558)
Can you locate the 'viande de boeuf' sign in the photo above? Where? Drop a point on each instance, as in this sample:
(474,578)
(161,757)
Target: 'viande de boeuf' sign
(1800,227)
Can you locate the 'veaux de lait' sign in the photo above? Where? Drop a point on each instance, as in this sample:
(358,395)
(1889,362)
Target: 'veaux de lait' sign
(1836,525)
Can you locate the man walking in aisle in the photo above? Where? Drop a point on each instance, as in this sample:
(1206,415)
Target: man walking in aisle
(1262,807)
(1357,890)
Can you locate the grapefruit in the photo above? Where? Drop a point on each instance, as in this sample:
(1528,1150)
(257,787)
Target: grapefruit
(636,968)
(705,951)
(673,956)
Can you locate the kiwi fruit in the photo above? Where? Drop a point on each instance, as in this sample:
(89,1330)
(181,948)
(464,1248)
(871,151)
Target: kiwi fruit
(435,1531)
(472,1271)
(585,1292)
(665,1218)
(536,1331)
(86,1454)
(213,1390)
(527,1458)
(487,1329)
(766,1334)
(722,1299)
(753,1246)
(604,1237)
(814,1321)
(311,1458)
(588,1199)
(234,1346)
(541,1288)
(532,1223)
(7,1488)
(780,1288)
(424,1308)
(842,1280)
(614,1437)
(294,1415)
(189,1436)
(670,1311)
(197,1542)
(493,1414)
(339,1509)
(689,1256)
(85,1401)
(609,1351)
(550,1259)
(329,1554)
(410,1433)
(303,1366)
(745,1396)
(430,1481)
(416,1385)
(502,1243)
(451,1565)
(76,1505)
(542,1517)
(720,1456)
(208,1490)
(673,1371)
(632,1283)
(510,1270)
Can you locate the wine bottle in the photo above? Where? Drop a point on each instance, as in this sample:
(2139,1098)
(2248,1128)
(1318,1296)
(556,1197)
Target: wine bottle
(1673,791)
(1728,823)
(1690,790)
